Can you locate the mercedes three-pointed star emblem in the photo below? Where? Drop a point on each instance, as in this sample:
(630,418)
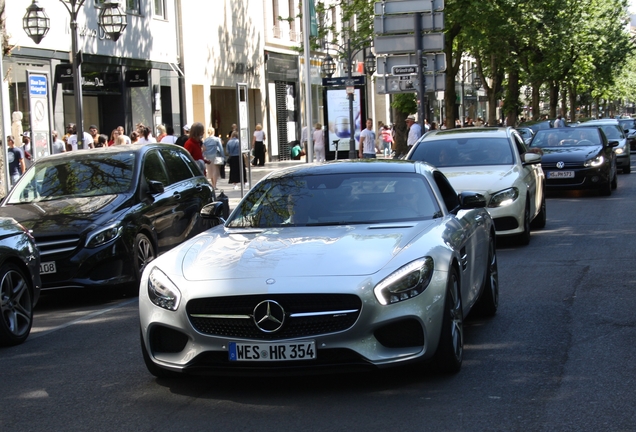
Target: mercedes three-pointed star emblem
(269,316)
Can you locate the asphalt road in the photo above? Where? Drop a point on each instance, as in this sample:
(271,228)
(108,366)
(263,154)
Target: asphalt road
(557,357)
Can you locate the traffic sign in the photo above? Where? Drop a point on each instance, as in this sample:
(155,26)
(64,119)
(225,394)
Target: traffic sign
(398,44)
(403,84)
(387,24)
(433,62)
(404,70)
(407,6)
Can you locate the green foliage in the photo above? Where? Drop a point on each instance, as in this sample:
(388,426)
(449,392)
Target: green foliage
(405,103)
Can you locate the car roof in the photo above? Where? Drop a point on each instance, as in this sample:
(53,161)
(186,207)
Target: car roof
(124,148)
(354,166)
(469,132)
(599,122)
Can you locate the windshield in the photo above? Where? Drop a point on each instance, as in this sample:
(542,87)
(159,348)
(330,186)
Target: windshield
(85,175)
(567,137)
(464,152)
(335,199)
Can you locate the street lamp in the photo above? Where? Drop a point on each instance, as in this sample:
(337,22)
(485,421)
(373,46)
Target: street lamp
(36,24)
(476,82)
(328,68)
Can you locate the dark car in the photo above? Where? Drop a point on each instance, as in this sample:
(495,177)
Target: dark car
(577,158)
(614,132)
(629,127)
(537,125)
(526,133)
(19,282)
(99,216)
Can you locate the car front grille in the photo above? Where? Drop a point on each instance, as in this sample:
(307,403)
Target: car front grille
(305,315)
(552,165)
(57,246)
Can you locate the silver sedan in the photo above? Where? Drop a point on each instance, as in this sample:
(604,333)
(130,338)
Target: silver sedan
(338,266)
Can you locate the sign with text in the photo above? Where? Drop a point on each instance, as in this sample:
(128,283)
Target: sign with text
(432,62)
(406,84)
(404,70)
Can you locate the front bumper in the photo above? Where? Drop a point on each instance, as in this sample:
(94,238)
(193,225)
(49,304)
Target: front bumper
(379,336)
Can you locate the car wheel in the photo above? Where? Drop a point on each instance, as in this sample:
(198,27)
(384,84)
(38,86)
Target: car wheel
(615,181)
(628,168)
(489,300)
(143,253)
(150,365)
(524,238)
(539,221)
(16,305)
(450,351)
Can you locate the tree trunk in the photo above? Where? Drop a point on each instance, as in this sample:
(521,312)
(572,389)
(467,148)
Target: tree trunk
(401,133)
(512,98)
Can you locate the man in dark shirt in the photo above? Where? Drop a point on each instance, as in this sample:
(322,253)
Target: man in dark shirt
(15,160)
(183,138)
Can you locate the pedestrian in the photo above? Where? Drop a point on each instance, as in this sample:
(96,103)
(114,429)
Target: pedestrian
(183,138)
(479,122)
(113,137)
(92,130)
(387,140)
(194,145)
(213,151)
(169,138)
(15,161)
(134,138)
(258,146)
(414,133)
(433,126)
(318,137)
(120,130)
(102,141)
(72,139)
(304,136)
(297,151)
(234,154)
(58,146)
(146,137)
(366,149)
(559,122)
(27,150)
(120,140)
(162,132)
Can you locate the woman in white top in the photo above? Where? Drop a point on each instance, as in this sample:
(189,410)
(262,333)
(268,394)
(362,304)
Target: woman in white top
(147,137)
(258,145)
(319,143)
(212,148)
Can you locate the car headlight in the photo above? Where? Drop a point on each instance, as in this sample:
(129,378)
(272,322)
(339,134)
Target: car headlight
(619,150)
(597,161)
(504,197)
(104,235)
(162,292)
(406,282)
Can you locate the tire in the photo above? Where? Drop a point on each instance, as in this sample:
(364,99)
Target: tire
(524,238)
(628,168)
(450,350)
(16,305)
(615,182)
(151,366)
(143,253)
(606,189)
(489,300)
(539,221)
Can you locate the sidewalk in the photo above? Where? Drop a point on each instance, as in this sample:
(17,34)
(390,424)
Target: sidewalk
(257,173)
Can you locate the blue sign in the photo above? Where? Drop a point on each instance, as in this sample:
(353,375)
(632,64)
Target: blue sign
(37,85)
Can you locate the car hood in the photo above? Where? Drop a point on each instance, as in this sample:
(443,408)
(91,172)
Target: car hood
(70,215)
(295,251)
(483,179)
(569,154)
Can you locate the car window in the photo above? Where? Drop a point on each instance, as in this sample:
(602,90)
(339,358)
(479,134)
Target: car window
(176,165)
(613,132)
(449,195)
(82,176)
(464,152)
(336,199)
(521,145)
(567,137)
(154,169)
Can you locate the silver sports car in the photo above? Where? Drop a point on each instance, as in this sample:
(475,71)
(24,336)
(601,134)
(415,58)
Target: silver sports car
(349,264)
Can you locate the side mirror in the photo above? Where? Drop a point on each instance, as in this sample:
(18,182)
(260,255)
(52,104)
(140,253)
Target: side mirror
(212,211)
(471,200)
(613,143)
(155,187)
(531,158)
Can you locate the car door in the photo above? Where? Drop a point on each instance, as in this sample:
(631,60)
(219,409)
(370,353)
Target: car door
(470,238)
(191,191)
(532,176)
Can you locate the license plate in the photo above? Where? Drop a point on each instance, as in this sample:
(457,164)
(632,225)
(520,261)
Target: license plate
(47,267)
(272,351)
(560,174)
